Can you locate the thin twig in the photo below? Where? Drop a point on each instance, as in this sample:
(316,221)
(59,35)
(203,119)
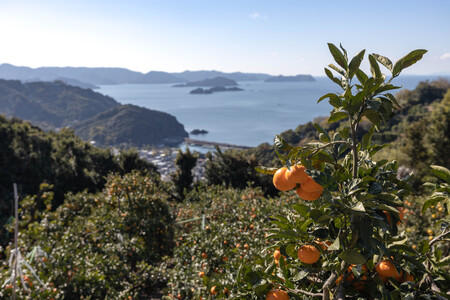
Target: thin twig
(307,293)
(439,237)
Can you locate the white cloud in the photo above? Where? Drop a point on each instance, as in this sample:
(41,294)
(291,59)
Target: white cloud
(257,15)
(274,53)
(445,56)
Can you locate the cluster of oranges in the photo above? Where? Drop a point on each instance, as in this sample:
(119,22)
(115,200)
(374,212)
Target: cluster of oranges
(286,179)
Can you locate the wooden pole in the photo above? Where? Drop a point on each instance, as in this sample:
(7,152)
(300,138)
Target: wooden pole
(16,237)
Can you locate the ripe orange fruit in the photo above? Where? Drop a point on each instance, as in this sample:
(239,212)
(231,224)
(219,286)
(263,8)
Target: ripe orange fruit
(296,174)
(308,254)
(277,254)
(311,186)
(277,295)
(387,269)
(213,290)
(324,244)
(201,274)
(406,277)
(401,215)
(204,255)
(280,181)
(309,196)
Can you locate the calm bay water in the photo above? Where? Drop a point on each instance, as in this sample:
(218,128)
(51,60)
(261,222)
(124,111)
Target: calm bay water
(249,117)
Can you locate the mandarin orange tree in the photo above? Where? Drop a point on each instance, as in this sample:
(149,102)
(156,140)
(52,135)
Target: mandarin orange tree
(350,225)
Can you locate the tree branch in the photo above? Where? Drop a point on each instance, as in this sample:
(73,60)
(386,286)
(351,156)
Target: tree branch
(439,237)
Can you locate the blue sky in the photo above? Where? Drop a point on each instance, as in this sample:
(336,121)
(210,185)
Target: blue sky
(276,37)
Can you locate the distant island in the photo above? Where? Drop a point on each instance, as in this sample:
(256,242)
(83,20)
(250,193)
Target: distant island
(296,78)
(216,81)
(214,90)
(199,131)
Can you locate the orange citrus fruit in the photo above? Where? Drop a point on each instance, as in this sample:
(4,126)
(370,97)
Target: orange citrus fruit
(204,255)
(201,274)
(401,215)
(324,244)
(280,181)
(308,254)
(296,174)
(387,269)
(309,196)
(213,290)
(277,254)
(311,186)
(277,295)
(406,277)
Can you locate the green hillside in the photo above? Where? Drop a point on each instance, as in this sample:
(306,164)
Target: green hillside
(51,104)
(133,126)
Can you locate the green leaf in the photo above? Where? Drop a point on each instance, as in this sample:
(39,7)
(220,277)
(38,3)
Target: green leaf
(329,95)
(441,172)
(302,209)
(393,99)
(335,101)
(344,133)
(362,77)
(367,138)
(359,207)
(355,63)
(431,202)
(322,130)
(315,214)
(338,56)
(281,144)
(330,75)
(265,170)
(335,246)
(300,275)
(374,67)
(352,256)
(337,116)
(340,71)
(384,61)
(373,116)
(407,61)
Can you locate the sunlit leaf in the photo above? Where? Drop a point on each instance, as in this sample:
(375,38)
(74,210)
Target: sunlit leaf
(338,56)
(407,61)
(337,116)
(266,170)
(355,63)
(384,61)
(441,172)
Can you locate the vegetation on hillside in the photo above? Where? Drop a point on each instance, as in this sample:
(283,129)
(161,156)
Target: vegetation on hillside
(104,226)
(132,126)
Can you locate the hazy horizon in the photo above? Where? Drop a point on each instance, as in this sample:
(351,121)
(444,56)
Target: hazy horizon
(254,36)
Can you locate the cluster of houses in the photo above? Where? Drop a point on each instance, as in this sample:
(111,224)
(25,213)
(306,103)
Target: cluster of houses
(164,159)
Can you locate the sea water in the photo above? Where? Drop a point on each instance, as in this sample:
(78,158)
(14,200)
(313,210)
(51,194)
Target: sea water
(248,117)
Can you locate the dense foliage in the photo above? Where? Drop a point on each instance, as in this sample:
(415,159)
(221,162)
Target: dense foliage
(97,246)
(31,156)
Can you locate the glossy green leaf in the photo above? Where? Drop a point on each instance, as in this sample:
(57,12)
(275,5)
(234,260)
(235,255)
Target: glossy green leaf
(338,56)
(373,116)
(355,63)
(359,207)
(441,172)
(335,246)
(367,138)
(362,77)
(265,170)
(334,79)
(352,256)
(337,116)
(329,95)
(431,202)
(320,129)
(374,67)
(384,61)
(302,209)
(337,69)
(281,144)
(407,61)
